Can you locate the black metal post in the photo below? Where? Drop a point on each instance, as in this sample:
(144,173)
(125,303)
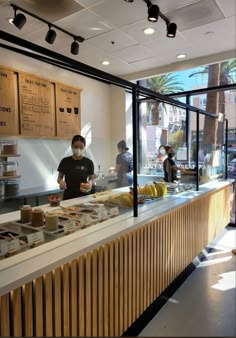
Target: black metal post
(187,137)
(197,151)
(135,148)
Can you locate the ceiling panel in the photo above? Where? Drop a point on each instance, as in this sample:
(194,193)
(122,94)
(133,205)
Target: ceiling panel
(136,30)
(227,6)
(232,20)
(121,13)
(113,41)
(52,10)
(166,45)
(135,53)
(195,15)
(167,6)
(88,3)
(85,24)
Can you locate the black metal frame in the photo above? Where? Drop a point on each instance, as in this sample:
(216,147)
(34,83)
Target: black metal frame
(139,93)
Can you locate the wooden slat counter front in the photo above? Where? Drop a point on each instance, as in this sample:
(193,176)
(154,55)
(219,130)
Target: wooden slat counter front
(98,281)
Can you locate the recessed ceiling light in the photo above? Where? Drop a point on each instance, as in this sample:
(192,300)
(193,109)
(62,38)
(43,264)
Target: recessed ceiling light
(105,63)
(149,31)
(95,29)
(10,20)
(181,56)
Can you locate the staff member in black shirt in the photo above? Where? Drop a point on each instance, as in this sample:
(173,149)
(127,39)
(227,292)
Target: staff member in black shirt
(76,172)
(169,166)
(124,165)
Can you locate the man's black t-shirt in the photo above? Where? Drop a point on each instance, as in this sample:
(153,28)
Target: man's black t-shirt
(76,172)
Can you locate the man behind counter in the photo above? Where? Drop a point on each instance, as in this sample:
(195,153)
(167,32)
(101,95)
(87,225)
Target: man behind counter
(77,170)
(169,166)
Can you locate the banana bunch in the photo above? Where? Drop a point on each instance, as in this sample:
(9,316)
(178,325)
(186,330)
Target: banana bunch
(157,189)
(122,200)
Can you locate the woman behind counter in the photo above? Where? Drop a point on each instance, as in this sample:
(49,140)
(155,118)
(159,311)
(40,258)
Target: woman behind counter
(124,165)
(76,172)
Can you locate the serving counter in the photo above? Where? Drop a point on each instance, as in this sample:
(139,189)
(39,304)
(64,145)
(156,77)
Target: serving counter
(98,281)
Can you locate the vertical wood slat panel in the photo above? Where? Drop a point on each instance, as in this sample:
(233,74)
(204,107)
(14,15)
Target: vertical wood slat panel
(134,276)
(106,290)
(145,239)
(16,312)
(95,293)
(116,281)
(101,292)
(38,307)
(5,316)
(148,265)
(129,279)
(88,291)
(151,264)
(81,301)
(66,299)
(138,274)
(121,286)
(126,283)
(141,309)
(48,302)
(57,303)
(73,299)
(28,310)
(111,291)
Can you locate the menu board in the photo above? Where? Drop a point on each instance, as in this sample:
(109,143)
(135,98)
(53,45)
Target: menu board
(67,110)
(37,112)
(8,103)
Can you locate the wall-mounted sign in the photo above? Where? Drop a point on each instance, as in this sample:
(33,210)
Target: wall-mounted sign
(8,103)
(37,112)
(67,110)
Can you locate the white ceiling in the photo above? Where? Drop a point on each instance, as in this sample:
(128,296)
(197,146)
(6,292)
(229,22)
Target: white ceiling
(113,30)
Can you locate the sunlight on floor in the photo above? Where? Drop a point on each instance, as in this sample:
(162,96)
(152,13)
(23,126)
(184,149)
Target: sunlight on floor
(227,281)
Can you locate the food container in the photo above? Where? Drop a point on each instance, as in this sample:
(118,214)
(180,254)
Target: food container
(9,147)
(10,168)
(37,217)
(51,222)
(2,188)
(54,200)
(11,188)
(26,214)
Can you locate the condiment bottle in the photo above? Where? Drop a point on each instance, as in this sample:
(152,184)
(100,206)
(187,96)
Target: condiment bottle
(26,214)
(51,222)
(37,217)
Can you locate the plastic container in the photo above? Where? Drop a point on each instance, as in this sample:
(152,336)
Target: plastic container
(9,147)
(1,169)
(2,188)
(37,217)
(11,188)
(51,222)
(26,214)
(10,168)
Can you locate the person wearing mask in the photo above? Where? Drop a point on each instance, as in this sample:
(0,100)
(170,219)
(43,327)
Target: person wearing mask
(76,172)
(161,155)
(124,165)
(169,166)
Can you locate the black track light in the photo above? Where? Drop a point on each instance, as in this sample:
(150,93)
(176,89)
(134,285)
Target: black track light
(129,0)
(50,36)
(153,12)
(19,20)
(74,48)
(171,29)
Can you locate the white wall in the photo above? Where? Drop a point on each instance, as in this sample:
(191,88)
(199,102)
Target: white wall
(40,157)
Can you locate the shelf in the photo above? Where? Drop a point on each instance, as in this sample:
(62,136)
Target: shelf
(9,155)
(9,177)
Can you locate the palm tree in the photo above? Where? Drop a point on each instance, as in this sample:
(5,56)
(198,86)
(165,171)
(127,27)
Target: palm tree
(163,84)
(218,74)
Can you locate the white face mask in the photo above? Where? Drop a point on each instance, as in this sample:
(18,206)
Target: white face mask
(78,152)
(162,152)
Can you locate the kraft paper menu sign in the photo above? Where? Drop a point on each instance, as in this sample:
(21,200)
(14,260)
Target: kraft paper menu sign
(37,114)
(67,110)
(8,103)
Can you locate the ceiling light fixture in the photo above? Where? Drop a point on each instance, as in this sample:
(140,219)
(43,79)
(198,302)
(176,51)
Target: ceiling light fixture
(154,13)
(19,21)
(74,49)
(10,20)
(149,31)
(105,63)
(181,56)
(171,29)
(50,36)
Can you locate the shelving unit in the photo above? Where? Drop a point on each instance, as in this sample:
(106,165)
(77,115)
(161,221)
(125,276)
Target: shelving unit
(7,181)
